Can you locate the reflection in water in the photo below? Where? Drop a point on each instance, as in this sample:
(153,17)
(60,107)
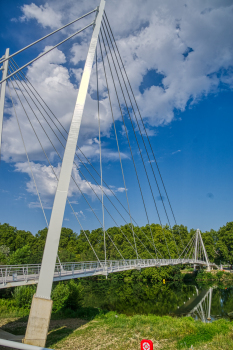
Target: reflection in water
(141,297)
(199,306)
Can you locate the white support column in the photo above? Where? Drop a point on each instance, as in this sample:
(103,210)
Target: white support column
(55,225)
(195,251)
(3,92)
(38,322)
(210,302)
(203,247)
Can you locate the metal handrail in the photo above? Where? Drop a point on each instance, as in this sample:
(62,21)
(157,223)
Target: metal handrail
(27,273)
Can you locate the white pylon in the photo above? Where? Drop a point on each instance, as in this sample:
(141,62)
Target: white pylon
(3,92)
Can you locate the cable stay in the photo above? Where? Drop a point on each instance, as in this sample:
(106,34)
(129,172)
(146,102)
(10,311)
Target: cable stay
(26,81)
(195,250)
(21,85)
(74,162)
(46,36)
(131,106)
(145,130)
(51,164)
(49,50)
(101,170)
(71,176)
(126,132)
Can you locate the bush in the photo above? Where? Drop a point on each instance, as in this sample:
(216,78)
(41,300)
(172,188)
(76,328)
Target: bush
(59,296)
(75,295)
(66,295)
(23,296)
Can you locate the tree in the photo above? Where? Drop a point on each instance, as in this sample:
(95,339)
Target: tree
(225,243)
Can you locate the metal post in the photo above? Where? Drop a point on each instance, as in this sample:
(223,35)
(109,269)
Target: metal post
(3,92)
(195,252)
(43,292)
(203,247)
(55,225)
(210,302)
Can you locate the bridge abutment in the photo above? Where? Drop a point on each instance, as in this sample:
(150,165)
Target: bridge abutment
(38,322)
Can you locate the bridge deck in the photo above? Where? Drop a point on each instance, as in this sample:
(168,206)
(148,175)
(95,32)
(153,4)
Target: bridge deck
(18,275)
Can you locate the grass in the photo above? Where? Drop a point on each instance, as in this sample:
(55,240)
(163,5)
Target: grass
(121,332)
(112,331)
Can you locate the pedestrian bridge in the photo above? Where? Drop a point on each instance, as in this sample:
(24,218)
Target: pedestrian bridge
(19,275)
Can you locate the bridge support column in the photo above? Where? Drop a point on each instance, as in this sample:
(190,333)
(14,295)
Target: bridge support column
(38,322)
(42,305)
(3,92)
(195,252)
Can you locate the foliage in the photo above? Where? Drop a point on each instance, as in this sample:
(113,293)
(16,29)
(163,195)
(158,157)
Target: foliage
(20,256)
(26,248)
(4,250)
(23,296)
(66,295)
(225,243)
(59,296)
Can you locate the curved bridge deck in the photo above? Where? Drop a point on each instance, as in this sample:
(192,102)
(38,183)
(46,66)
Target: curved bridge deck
(18,275)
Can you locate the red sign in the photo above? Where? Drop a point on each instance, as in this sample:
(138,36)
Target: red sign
(146,345)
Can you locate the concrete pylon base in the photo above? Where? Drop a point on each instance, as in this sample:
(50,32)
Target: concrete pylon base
(38,322)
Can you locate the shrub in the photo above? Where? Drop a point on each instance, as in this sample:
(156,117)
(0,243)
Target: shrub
(60,294)
(23,296)
(75,295)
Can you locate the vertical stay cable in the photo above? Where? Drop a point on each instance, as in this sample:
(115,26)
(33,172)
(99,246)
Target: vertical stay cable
(29,163)
(75,164)
(101,169)
(28,160)
(143,126)
(136,135)
(125,128)
(50,163)
(27,83)
(131,105)
(128,136)
(118,148)
(24,79)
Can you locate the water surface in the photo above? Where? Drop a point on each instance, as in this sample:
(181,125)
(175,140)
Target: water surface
(173,298)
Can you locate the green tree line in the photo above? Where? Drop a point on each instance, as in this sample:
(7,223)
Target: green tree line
(22,247)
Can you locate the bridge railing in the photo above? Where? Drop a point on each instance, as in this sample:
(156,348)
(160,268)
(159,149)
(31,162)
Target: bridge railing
(17,273)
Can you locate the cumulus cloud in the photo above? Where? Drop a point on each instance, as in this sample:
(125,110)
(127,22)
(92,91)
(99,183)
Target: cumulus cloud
(189,44)
(44,15)
(46,182)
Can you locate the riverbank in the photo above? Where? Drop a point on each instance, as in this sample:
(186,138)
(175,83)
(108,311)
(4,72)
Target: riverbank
(121,332)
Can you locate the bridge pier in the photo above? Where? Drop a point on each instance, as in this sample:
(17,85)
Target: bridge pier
(38,322)
(41,307)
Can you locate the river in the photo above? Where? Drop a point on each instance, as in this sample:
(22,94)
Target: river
(172,298)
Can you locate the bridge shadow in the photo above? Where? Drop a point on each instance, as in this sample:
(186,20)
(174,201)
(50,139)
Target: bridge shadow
(59,327)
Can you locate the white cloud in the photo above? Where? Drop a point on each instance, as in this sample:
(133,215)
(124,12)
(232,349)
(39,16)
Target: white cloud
(47,183)
(155,36)
(44,15)
(178,151)
(151,35)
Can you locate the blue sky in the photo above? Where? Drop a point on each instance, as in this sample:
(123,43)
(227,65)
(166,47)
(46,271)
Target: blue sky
(179,62)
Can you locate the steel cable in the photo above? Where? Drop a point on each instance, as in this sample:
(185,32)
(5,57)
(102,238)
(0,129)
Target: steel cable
(127,132)
(26,81)
(143,126)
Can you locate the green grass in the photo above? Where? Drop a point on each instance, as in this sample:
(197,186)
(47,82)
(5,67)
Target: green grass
(108,330)
(123,332)
(105,331)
